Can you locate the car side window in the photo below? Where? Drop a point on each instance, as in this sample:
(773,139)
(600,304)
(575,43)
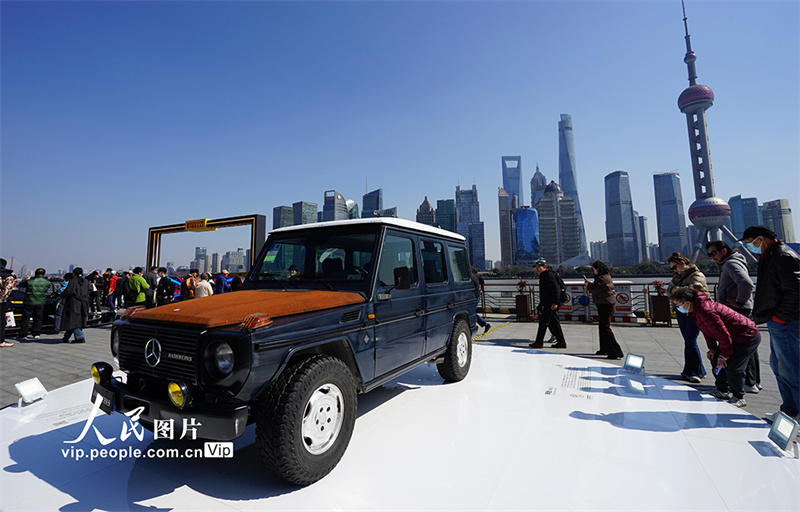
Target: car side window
(433,263)
(459,263)
(398,252)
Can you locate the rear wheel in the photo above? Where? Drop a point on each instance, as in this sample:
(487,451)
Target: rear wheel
(458,357)
(305,422)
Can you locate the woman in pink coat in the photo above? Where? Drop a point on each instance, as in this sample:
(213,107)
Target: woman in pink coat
(731,338)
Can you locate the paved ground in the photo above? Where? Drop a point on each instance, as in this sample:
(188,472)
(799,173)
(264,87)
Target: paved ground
(57,364)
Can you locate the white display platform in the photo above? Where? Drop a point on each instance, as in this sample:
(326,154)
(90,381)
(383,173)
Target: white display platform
(527,430)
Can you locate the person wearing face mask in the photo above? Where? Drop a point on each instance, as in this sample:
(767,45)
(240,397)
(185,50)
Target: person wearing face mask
(735,290)
(777,303)
(689,275)
(731,338)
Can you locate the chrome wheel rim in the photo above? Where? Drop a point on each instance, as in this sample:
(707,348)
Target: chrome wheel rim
(462,349)
(322,418)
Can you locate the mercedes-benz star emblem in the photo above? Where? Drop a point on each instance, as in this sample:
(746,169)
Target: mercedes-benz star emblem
(152,352)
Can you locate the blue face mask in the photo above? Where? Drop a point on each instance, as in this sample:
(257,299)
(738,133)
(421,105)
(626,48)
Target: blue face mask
(752,248)
(682,310)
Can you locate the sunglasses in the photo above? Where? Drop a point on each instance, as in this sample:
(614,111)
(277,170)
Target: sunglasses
(673,266)
(712,253)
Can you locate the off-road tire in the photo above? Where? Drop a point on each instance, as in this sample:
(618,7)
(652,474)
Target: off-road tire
(290,435)
(458,357)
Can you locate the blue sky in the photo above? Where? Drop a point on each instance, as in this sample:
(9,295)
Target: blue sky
(119,116)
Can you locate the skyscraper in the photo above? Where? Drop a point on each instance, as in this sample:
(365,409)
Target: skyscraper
(304,213)
(670,219)
(334,207)
(526,246)
(641,236)
(476,242)
(599,250)
(200,253)
(282,216)
(371,201)
(352,209)
(559,237)
(707,212)
(744,213)
(623,247)
(446,214)
(538,184)
(467,205)
(469,224)
(778,216)
(506,227)
(512,180)
(426,214)
(567,175)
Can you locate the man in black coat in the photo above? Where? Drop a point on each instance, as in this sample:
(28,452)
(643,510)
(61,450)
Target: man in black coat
(76,306)
(549,304)
(777,302)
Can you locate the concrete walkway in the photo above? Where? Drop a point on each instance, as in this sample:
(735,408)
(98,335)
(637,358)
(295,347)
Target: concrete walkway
(57,364)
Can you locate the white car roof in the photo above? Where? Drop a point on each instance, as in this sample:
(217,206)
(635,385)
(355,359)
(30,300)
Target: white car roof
(387,221)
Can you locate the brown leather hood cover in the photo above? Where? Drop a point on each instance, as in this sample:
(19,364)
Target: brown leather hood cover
(233,308)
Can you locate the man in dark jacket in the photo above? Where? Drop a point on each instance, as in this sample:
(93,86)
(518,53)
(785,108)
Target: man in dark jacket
(76,307)
(166,288)
(735,290)
(33,304)
(549,304)
(221,284)
(777,303)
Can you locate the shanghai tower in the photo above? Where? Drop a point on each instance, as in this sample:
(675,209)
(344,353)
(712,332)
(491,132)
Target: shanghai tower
(566,172)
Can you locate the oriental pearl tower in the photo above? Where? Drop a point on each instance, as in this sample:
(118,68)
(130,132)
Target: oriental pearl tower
(709,213)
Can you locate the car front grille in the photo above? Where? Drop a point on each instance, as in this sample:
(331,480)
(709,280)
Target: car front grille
(179,352)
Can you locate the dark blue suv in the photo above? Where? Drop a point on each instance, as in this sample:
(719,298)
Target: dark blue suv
(329,310)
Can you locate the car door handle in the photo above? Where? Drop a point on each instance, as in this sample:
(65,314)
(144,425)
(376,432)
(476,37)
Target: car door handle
(450,305)
(419,312)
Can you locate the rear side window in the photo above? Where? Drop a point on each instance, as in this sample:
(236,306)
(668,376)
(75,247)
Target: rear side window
(433,262)
(397,252)
(459,263)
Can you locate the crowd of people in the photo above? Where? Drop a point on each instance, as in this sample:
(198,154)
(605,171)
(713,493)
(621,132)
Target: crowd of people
(729,324)
(79,297)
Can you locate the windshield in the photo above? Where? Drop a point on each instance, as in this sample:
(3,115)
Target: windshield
(316,260)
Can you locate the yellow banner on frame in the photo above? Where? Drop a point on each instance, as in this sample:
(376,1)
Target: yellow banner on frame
(198,225)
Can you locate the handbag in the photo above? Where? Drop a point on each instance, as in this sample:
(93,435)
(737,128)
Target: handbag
(10,322)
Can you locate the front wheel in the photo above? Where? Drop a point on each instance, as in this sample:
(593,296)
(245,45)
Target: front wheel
(306,420)
(458,357)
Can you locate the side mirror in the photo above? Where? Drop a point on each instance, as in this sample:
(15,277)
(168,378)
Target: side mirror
(402,278)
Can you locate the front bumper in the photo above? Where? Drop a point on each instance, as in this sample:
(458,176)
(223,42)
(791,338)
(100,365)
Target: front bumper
(212,422)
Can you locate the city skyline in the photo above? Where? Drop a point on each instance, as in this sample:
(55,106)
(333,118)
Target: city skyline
(216,111)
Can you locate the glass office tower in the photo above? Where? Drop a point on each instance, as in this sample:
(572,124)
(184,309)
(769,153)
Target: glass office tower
(744,213)
(446,216)
(512,180)
(567,175)
(506,227)
(623,246)
(526,248)
(670,216)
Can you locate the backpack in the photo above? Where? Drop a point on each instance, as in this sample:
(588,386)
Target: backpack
(563,298)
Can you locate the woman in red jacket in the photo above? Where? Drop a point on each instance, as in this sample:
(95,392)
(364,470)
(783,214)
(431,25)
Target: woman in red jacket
(731,337)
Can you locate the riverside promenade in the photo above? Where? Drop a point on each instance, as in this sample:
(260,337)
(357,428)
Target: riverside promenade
(58,364)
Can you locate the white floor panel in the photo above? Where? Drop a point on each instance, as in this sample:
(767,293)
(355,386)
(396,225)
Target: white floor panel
(526,430)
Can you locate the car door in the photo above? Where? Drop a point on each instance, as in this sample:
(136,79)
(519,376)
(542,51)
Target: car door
(438,294)
(399,308)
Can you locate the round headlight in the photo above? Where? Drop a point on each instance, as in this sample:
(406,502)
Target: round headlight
(178,394)
(115,342)
(101,373)
(223,358)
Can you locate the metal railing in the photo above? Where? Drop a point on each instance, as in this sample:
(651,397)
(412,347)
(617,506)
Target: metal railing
(632,298)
